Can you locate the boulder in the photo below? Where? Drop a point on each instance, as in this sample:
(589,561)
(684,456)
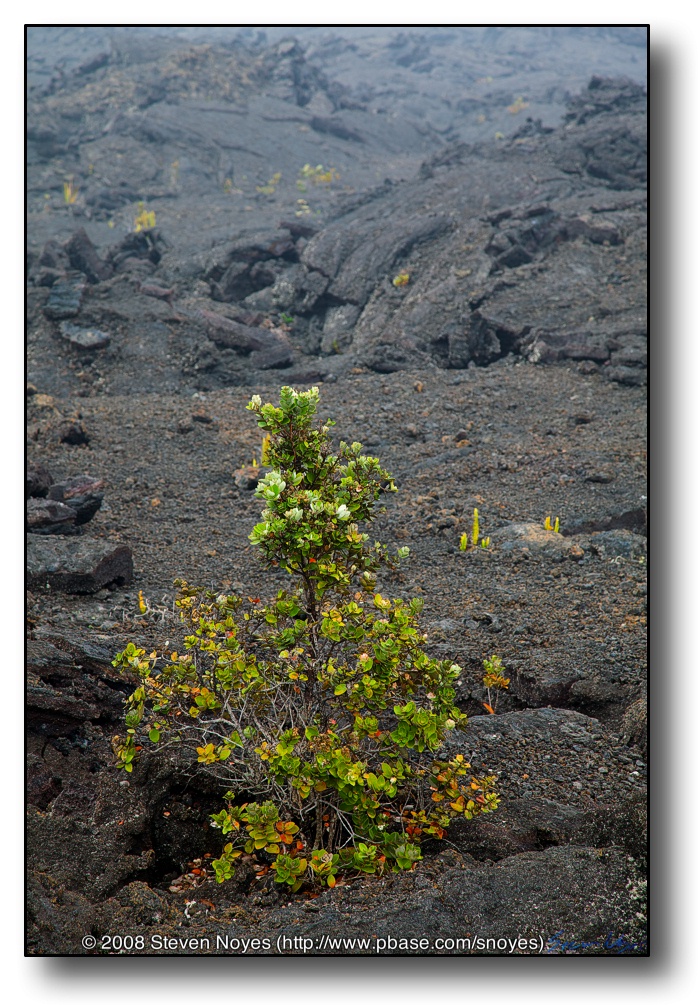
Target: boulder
(533,539)
(84,338)
(81,493)
(78,565)
(49,516)
(84,258)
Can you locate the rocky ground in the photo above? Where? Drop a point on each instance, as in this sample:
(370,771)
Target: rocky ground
(507,373)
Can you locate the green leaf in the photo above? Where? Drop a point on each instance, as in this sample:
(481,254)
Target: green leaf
(154,735)
(340,689)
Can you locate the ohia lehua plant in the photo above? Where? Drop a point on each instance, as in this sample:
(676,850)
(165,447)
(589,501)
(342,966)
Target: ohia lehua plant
(318,711)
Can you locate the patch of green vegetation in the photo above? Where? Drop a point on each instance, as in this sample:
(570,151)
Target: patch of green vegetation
(319,711)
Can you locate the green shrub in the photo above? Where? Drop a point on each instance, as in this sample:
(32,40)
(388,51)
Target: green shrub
(319,710)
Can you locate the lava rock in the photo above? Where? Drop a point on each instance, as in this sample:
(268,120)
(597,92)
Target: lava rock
(231,334)
(145,244)
(82,494)
(47,516)
(632,376)
(159,292)
(38,480)
(84,338)
(594,230)
(533,538)
(54,256)
(614,543)
(84,258)
(73,433)
(65,298)
(79,565)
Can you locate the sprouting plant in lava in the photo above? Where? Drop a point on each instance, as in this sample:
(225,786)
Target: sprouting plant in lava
(475,539)
(317,175)
(145,219)
(70,192)
(494,680)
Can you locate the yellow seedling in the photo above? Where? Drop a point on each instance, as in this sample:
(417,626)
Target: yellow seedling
(402,279)
(317,175)
(270,186)
(517,106)
(142,602)
(549,525)
(145,220)
(494,679)
(475,535)
(70,192)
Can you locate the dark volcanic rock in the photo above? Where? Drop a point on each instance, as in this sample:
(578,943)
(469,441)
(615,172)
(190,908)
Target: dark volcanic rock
(535,823)
(231,334)
(65,298)
(84,258)
(71,681)
(532,538)
(81,493)
(42,785)
(47,516)
(145,244)
(267,350)
(38,480)
(84,338)
(54,256)
(73,432)
(356,254)
(80,565)
(606,133)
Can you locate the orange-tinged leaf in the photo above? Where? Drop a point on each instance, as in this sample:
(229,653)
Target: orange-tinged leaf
(488,707)
(331,881)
